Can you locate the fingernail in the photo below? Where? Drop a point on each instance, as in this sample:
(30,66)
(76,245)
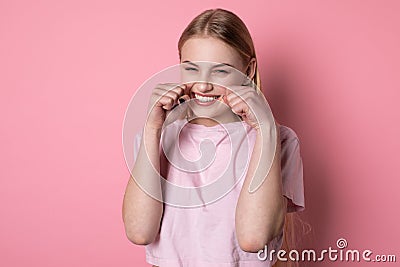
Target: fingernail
(181,100)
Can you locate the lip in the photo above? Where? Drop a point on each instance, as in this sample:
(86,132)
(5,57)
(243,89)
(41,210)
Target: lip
(205,103)
(203,94)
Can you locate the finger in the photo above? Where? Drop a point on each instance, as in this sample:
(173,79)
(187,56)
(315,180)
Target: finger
(168,90)
(163,98)
(231,96)
(159,91)
(240,109)
(183,98)
(166,102)
(224,100)
(172,94)
(179,88)
(234,101)
(188,88)
(245,96)
(179,111)
(167,94)
(168,86)
(238,89)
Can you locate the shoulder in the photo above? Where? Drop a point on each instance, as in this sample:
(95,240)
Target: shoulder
(287,133)
(289,138)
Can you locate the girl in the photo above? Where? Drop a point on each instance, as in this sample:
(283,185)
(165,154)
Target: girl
(231,230)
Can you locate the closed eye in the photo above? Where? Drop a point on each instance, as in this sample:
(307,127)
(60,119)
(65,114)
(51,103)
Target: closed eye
(190,69)
(221,71)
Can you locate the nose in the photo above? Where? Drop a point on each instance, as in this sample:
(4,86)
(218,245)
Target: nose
(203,87)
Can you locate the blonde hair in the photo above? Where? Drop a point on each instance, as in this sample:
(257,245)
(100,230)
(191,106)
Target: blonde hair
(228,27)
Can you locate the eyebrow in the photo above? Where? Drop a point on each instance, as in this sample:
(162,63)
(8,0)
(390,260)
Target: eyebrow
(215,66)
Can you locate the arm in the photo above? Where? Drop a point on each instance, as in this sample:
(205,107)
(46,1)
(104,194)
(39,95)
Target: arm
(260,215)
(141,212)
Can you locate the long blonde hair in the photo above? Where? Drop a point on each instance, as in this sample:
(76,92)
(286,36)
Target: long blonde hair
(228,27)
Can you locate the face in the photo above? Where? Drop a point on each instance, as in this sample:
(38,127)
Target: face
(209,65)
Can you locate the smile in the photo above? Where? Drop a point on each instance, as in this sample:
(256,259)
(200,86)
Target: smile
(205,99)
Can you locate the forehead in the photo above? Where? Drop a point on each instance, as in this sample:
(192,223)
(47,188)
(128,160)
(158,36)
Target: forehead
(209,49)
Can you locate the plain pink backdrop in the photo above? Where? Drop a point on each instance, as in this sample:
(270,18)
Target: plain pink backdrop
(68,70)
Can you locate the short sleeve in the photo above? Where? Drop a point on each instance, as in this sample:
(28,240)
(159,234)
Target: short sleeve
(292,170)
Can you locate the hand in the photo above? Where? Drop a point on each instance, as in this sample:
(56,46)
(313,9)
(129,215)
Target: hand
(163,99)
(251,105)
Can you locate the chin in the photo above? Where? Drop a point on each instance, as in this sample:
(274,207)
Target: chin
(209,112)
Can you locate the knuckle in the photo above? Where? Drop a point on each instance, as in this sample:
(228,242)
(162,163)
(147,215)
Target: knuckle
(170,100)
(174,94)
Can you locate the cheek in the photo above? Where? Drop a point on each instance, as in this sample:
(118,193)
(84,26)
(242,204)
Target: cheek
(236,78)
(220,90)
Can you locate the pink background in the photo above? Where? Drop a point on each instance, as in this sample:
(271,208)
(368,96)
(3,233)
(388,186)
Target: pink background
(69,69)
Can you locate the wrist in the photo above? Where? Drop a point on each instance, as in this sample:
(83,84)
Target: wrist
(267,130)
(264,128)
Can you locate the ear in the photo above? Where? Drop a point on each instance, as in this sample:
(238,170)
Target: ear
(251,68)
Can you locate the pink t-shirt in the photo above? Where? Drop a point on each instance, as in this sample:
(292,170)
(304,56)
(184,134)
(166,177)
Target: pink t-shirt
(205,235)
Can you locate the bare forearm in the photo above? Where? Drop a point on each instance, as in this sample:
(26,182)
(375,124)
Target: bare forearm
(260,215)
(141,212)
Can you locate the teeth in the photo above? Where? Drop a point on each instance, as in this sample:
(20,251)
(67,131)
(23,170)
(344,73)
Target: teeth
(205,98)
